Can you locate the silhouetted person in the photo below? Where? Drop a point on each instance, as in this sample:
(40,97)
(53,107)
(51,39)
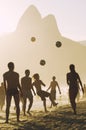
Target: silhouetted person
(12,87)
(52,88)
(43,94)
(27,88)
(73,80)
(2,96)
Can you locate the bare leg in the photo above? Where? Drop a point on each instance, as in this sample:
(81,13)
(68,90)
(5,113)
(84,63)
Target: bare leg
(30,105)
(52,101)
(51,105)
(8,102)
(24,105)
(72,96)
(2,106)
(44,104)
(16,99)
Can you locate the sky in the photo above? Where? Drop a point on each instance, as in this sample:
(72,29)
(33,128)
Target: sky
(70,15)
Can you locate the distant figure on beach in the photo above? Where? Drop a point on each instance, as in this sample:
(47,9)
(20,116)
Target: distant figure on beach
(53,85)
(12,87)
(73,80)
(43,94)
(27,88)
(2,96)
(84,96)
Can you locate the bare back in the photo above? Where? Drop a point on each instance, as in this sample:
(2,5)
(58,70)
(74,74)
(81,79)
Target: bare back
(53,85)
(12,79)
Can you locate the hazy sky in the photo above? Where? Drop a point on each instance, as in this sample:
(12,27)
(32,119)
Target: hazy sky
(70,15)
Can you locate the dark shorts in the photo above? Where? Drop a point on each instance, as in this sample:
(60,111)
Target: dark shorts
(73,93)
(43,94)
(12,92)
(28,94)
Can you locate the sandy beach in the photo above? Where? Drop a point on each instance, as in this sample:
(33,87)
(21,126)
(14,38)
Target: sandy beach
(58,118)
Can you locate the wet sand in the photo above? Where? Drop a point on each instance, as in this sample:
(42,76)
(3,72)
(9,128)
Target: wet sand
(58,118)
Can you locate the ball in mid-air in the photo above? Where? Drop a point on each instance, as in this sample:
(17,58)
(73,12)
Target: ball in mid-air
(33,39)
(42,62)
(58,44)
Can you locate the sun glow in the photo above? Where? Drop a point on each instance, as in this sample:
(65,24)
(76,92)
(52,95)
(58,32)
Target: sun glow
(8,19)
(6,27)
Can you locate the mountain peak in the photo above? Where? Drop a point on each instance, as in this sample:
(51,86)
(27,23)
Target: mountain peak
(30,15)
(32,18)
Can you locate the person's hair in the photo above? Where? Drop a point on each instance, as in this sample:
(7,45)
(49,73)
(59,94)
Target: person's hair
(27,71)
(72,67)
(36,76)
(11,65)
(53,77)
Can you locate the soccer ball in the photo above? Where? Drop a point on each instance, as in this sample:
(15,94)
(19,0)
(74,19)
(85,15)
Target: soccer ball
(33,39)
(42,62)
(58,44)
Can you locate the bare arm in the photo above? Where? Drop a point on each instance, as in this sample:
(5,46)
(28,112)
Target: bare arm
(4,81)
(67,79)
(49,87)
(19,86)
(20,89)
(58,87)
(42,84)
(33,90)
(80,83)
